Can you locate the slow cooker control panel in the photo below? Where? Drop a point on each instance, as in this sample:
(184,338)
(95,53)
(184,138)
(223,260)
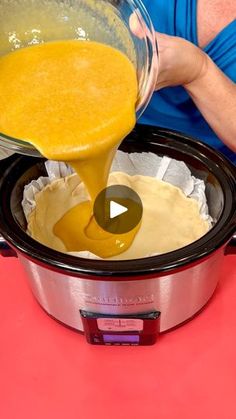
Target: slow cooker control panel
(135,329)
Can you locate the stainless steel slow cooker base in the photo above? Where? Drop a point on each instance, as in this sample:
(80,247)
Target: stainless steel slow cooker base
(178,296)
(177,285)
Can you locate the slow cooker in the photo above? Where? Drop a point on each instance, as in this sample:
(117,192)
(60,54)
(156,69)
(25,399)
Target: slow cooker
(126,302)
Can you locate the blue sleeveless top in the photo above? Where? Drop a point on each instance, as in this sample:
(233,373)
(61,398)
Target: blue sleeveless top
(172,107)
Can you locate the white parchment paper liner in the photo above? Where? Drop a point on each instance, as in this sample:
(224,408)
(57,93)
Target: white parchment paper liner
(147,164)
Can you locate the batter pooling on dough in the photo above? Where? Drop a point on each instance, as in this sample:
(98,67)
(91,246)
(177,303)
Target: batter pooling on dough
(170,219)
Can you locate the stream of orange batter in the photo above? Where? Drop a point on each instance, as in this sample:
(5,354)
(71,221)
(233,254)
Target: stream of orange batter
(75,102)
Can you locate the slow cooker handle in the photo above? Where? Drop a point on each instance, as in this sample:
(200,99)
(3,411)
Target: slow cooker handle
(5,249)
(231,248)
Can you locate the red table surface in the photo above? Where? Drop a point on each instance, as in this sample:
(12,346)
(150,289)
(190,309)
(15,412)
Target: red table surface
(49,371)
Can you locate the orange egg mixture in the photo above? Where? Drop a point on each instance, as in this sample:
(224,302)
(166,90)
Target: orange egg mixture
(75,102)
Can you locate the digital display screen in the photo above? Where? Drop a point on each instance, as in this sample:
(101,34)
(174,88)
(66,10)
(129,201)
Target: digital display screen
(121,338)
(127,329)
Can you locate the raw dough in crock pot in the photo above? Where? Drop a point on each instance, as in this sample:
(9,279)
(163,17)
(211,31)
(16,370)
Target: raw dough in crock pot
(170,219)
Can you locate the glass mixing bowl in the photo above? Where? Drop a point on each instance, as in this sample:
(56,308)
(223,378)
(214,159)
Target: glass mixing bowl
(30,22)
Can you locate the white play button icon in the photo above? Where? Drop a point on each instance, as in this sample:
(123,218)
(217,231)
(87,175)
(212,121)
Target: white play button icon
(116,209)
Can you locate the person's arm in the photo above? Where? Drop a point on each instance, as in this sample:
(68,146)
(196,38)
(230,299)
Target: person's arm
(182,63)
(215,96)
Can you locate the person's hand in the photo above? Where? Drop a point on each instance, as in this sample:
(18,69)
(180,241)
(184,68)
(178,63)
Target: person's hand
(180,61)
